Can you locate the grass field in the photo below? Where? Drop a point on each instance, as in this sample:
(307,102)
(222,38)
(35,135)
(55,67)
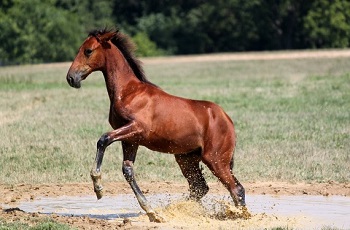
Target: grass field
(292,119)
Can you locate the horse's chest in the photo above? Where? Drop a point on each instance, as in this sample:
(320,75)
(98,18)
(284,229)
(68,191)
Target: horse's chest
(116,118)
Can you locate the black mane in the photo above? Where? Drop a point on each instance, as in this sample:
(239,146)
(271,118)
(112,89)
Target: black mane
(127,48)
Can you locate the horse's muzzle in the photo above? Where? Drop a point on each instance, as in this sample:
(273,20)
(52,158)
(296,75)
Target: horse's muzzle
(74,80)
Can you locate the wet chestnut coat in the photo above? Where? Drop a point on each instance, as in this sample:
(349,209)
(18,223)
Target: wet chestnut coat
(143,114)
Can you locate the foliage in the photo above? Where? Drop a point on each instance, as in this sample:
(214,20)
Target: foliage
(35,31)
(328,24)
(145,47)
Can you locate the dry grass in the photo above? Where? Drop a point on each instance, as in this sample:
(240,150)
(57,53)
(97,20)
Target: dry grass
(292,119)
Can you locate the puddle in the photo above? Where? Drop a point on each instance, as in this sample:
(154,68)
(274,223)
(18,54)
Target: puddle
(318,211)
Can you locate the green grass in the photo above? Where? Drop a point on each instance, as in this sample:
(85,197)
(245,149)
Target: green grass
(292,120)
(41,224)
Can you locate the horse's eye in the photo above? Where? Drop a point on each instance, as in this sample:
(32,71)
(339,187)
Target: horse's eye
(88,52)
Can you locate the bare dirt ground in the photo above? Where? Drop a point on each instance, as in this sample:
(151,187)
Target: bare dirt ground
(179,215)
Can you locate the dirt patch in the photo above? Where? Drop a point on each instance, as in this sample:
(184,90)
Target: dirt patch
(178,215)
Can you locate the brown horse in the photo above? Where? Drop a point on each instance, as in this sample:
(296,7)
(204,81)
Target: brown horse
(142,114)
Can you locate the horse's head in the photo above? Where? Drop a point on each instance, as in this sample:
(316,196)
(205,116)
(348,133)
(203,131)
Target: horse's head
(90,58)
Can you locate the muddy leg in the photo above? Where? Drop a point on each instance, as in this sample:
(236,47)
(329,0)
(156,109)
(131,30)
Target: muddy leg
(222,170)
(95,172)
(189,164)
(240,188)
(122,133)
(129,151)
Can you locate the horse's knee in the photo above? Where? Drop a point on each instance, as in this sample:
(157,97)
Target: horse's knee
(102,143)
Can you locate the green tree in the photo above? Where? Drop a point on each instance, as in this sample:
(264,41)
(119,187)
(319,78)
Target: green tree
(160,29)
(327,24)
(279,24)
(51,30)
(92,14)
(221,26)
(36,31)
(145,47)
(208,26)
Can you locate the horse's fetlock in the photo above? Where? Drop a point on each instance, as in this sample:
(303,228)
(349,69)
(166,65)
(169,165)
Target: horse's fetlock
(199,191)
(98,188)
(239,196)
(155,217)
(96,179)
(95,175)
(128,173)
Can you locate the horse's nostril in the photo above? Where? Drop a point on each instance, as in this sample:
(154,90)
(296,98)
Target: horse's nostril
(70,80)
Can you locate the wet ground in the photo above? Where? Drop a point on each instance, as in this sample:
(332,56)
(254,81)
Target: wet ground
(306,211)
(272,205)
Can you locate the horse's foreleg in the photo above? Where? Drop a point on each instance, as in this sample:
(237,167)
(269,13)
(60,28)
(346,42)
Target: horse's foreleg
(129,176)
(106,139)
(95,172)
(129,151)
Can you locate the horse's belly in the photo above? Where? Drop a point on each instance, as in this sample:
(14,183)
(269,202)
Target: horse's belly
(171,146)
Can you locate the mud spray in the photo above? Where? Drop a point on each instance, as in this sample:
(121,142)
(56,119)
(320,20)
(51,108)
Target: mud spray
(220,214)
(185,210)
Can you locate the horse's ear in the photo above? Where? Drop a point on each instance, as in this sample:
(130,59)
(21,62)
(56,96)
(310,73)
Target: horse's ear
(106,37)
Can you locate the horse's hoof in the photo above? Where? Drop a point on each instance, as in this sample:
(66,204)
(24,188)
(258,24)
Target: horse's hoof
(99,195)
(241,202)
(98,191)
(154,217)
(239,196)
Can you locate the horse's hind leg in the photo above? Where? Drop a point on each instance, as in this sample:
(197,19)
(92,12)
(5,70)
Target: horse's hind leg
(220,165)
(189,164)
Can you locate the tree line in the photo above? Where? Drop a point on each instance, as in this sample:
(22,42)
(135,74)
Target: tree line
(35,31)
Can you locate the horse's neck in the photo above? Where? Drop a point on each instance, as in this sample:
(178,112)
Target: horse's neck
(118,75)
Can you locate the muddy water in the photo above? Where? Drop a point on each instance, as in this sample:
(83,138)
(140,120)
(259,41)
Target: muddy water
(306,211)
